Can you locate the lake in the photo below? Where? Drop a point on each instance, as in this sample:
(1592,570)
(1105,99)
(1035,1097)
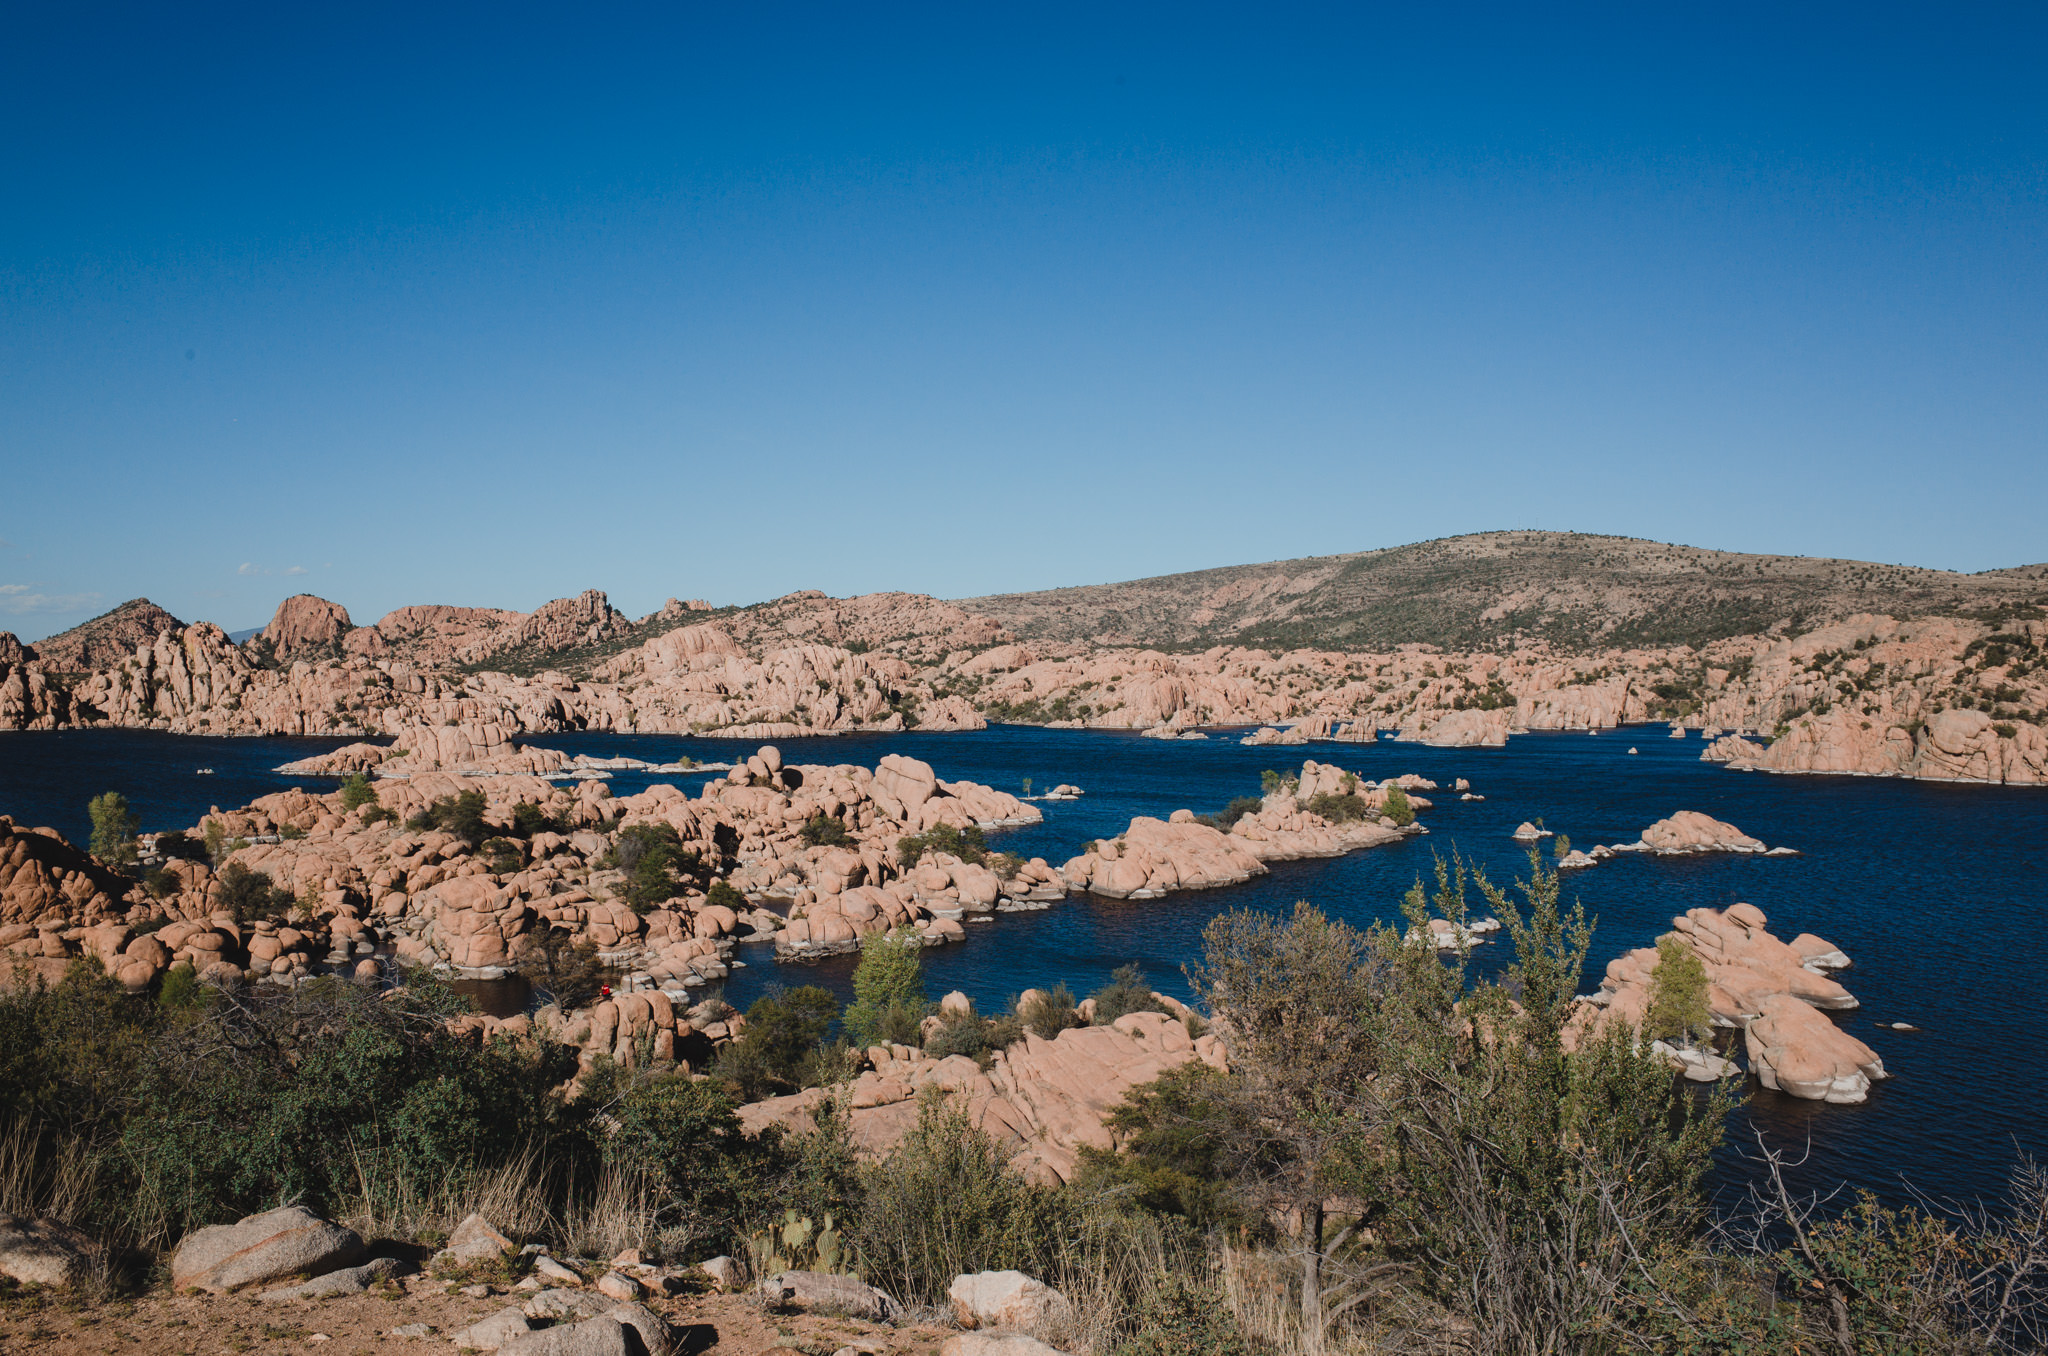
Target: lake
(1931,888)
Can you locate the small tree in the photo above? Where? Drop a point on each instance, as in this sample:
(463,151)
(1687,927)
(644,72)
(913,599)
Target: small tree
(1397,808)
(357,792)
(113,829)
(1294,999)
(888,988)
(1678,993)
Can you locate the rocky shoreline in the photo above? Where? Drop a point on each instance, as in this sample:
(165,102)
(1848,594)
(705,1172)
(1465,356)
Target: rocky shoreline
(1942,698)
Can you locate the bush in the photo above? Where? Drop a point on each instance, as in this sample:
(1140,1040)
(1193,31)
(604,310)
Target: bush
(1173,1135)
(725,896)
(505,854)
(1047,1012)
(824,831)
(247,896)
(888,989)
(529,819)
(311,1094)
(967,844)
(1397,808)
(1126,992)
(1239,807)
(462,816)
(1181,1315)
(962,1032)
(179,846)
(1340,808)
(356,792)
(946,1202)
(785,1029)
(567,969)
(162,884)
(652,855)
(113,829)
(706,1175)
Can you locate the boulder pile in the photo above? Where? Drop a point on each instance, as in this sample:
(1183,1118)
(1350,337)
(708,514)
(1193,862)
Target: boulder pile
(1044,1099)
(1773,991)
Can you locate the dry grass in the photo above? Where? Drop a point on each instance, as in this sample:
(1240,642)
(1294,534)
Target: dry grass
(390,1203)
(46,1182)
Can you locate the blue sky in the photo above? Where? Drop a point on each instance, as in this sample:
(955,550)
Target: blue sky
(491,304)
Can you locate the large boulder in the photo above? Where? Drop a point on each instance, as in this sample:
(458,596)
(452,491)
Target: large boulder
(263,1247)
(628,1330)
(1691,831)
(847,1295)
(489,1334)
(41,1252)
(1793,1048)
(1003,1299)
(996,1344)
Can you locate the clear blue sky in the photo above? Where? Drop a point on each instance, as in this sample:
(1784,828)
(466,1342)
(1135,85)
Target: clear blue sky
(487,305)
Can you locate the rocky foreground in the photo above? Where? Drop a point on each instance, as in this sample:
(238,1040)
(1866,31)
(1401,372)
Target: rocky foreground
(288,1278)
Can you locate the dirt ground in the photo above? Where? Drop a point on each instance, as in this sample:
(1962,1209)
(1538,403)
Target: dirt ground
(161,1324)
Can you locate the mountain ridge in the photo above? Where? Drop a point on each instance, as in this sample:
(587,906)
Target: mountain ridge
(1571,591)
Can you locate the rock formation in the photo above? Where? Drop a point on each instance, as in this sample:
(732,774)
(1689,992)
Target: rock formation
(1045,1099)
(1771,990)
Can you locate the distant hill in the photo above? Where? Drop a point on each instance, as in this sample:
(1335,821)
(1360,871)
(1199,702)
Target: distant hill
(108,638)
(1492,589)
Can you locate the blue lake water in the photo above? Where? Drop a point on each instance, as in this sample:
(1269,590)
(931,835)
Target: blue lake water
(1932,888)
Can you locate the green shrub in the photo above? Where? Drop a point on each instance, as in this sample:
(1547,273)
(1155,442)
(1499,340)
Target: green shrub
(888,989)
(946,1202)
(505,854)
(356,792)
(113,829)
(1340,808)
(461,815)
(1126,992)
(967,844)
(247,896)
(962,1032)
(785,1028)
(725,896)
(1047,1012)
(1177,1314)
(162,884)
(179,845)
(529,819)
(1397,808)
(290,833)
(309,1094)
(651,856)
(824,831)
(1239,807)
(1174,1135)
(681,1137)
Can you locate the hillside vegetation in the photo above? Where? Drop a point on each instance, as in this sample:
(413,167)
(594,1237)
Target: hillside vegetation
(1487,590)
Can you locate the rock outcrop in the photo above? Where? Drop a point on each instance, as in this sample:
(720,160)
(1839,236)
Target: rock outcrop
(1771,990)
(1044,1099)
